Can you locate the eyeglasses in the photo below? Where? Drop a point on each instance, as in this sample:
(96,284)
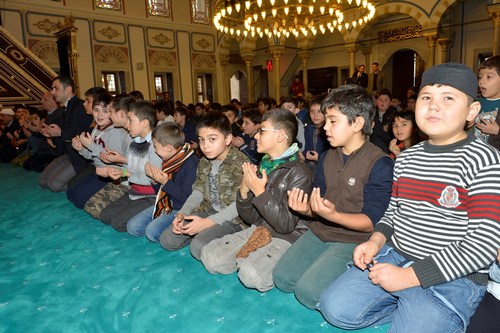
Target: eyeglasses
(262,129)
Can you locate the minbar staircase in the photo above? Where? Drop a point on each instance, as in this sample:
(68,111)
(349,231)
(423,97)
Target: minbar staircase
(24,78)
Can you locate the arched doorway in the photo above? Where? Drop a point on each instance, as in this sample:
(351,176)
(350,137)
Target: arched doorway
(407,68)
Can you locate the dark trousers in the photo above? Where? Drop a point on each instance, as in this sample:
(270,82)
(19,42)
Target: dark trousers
(123,209)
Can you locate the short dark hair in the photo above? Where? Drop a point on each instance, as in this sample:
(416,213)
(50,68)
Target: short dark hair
(94,92)
(283,119)
(265,101)
(169,134)
(103,100)
(182,110)
(164,106)
(491,63)
(291,99)
(230,108)
(318,99)
(137,95)
(144,111)
(215,120)
(66,81)
(122,102)
(386,92)
(253,114)
(352,101)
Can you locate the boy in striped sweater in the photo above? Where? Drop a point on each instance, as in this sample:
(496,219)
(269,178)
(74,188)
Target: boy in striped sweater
(425,267)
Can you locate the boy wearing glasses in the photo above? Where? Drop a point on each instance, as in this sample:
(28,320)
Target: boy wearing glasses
(352,189)
(262,202)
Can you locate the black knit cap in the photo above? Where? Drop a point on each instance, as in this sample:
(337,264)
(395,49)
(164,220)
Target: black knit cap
(454,75)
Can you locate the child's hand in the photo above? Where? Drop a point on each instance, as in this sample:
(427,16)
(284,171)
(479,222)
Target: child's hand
(177,224)
(54,130)
(364,253)
(193,144)
(487,126)
(115,173)
(159,176)
(86,139)
(498,256)
(111,156)
(197,225)
(238,141)
(393,278)
(311,155)
(301,156)
(102,171)
(77,144)
(253,182)
(298,201)
(393,147)
(321,206)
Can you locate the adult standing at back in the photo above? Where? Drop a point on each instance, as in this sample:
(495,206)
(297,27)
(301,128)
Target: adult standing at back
(376,80)
(58,173)
(360,77)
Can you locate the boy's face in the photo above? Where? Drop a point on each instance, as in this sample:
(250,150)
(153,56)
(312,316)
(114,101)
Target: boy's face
(268,138)
(410,104)
(179,118)
(19,113)
(402,128)
(263,107)
(89,100)
(35,119)
(442,111)
(338,130)
(213,143)
(249,127)
(395,102)
(289,106)
(383,103)
(165,152)
(315,114)
(101,115)
(231,116)
(118,117)
(137,127)
(489,83)
(199,110)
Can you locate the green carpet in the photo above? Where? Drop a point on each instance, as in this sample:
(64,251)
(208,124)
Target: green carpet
(63,271)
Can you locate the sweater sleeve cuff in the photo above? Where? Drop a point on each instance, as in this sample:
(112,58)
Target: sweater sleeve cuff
(384,229)
(428,272)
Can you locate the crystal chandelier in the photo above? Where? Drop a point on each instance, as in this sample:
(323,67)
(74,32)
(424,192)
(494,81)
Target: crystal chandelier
(290,17)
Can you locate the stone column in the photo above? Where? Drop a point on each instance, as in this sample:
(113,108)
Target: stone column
(431,43)
(277,52)
(352,58)
(445,44)
(367,53)
(226,91)
(248,57)
(304,56)
(494,11)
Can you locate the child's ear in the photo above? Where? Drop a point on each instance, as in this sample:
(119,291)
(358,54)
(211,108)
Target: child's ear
(474,109)
(359,123)
(229,139)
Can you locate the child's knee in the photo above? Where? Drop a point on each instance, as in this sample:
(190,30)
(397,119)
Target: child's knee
(282,279)
(307,293)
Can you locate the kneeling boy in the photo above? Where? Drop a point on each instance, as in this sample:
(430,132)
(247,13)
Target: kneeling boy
(263,203)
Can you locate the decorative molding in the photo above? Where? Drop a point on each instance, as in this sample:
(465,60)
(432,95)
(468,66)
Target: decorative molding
(203,61)
(43,24)
(160,38)
(203,42)
(162,58)
(46,50)
(111,55)
(46,25)
(109,32)
(392,35)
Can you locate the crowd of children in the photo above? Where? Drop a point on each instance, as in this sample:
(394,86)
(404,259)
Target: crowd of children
(388,206)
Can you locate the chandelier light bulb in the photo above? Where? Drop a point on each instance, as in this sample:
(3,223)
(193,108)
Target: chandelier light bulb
(299,9)
(229,10)
(263,14)
(272,2)
(286,10)
(322,10)
(259,3)
(311,9)
(247,5)
(237,7)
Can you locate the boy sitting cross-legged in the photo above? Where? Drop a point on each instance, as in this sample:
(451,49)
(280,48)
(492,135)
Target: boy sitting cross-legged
(352,188)
(425,267)
(176,177)
(263,203)
(210,211)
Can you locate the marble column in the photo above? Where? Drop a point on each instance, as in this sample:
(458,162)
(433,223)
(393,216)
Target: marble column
(304,56)
(367,54)
(494,11)
(431,43)
(226,90)
(248,57)
(445,44)
(352,58)
(277,52)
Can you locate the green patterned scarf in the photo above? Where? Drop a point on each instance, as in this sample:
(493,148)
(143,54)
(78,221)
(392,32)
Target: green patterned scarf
(269,164)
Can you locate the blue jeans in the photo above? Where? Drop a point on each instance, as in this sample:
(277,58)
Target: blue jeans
(143,224)
(353,302)
(309,266)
